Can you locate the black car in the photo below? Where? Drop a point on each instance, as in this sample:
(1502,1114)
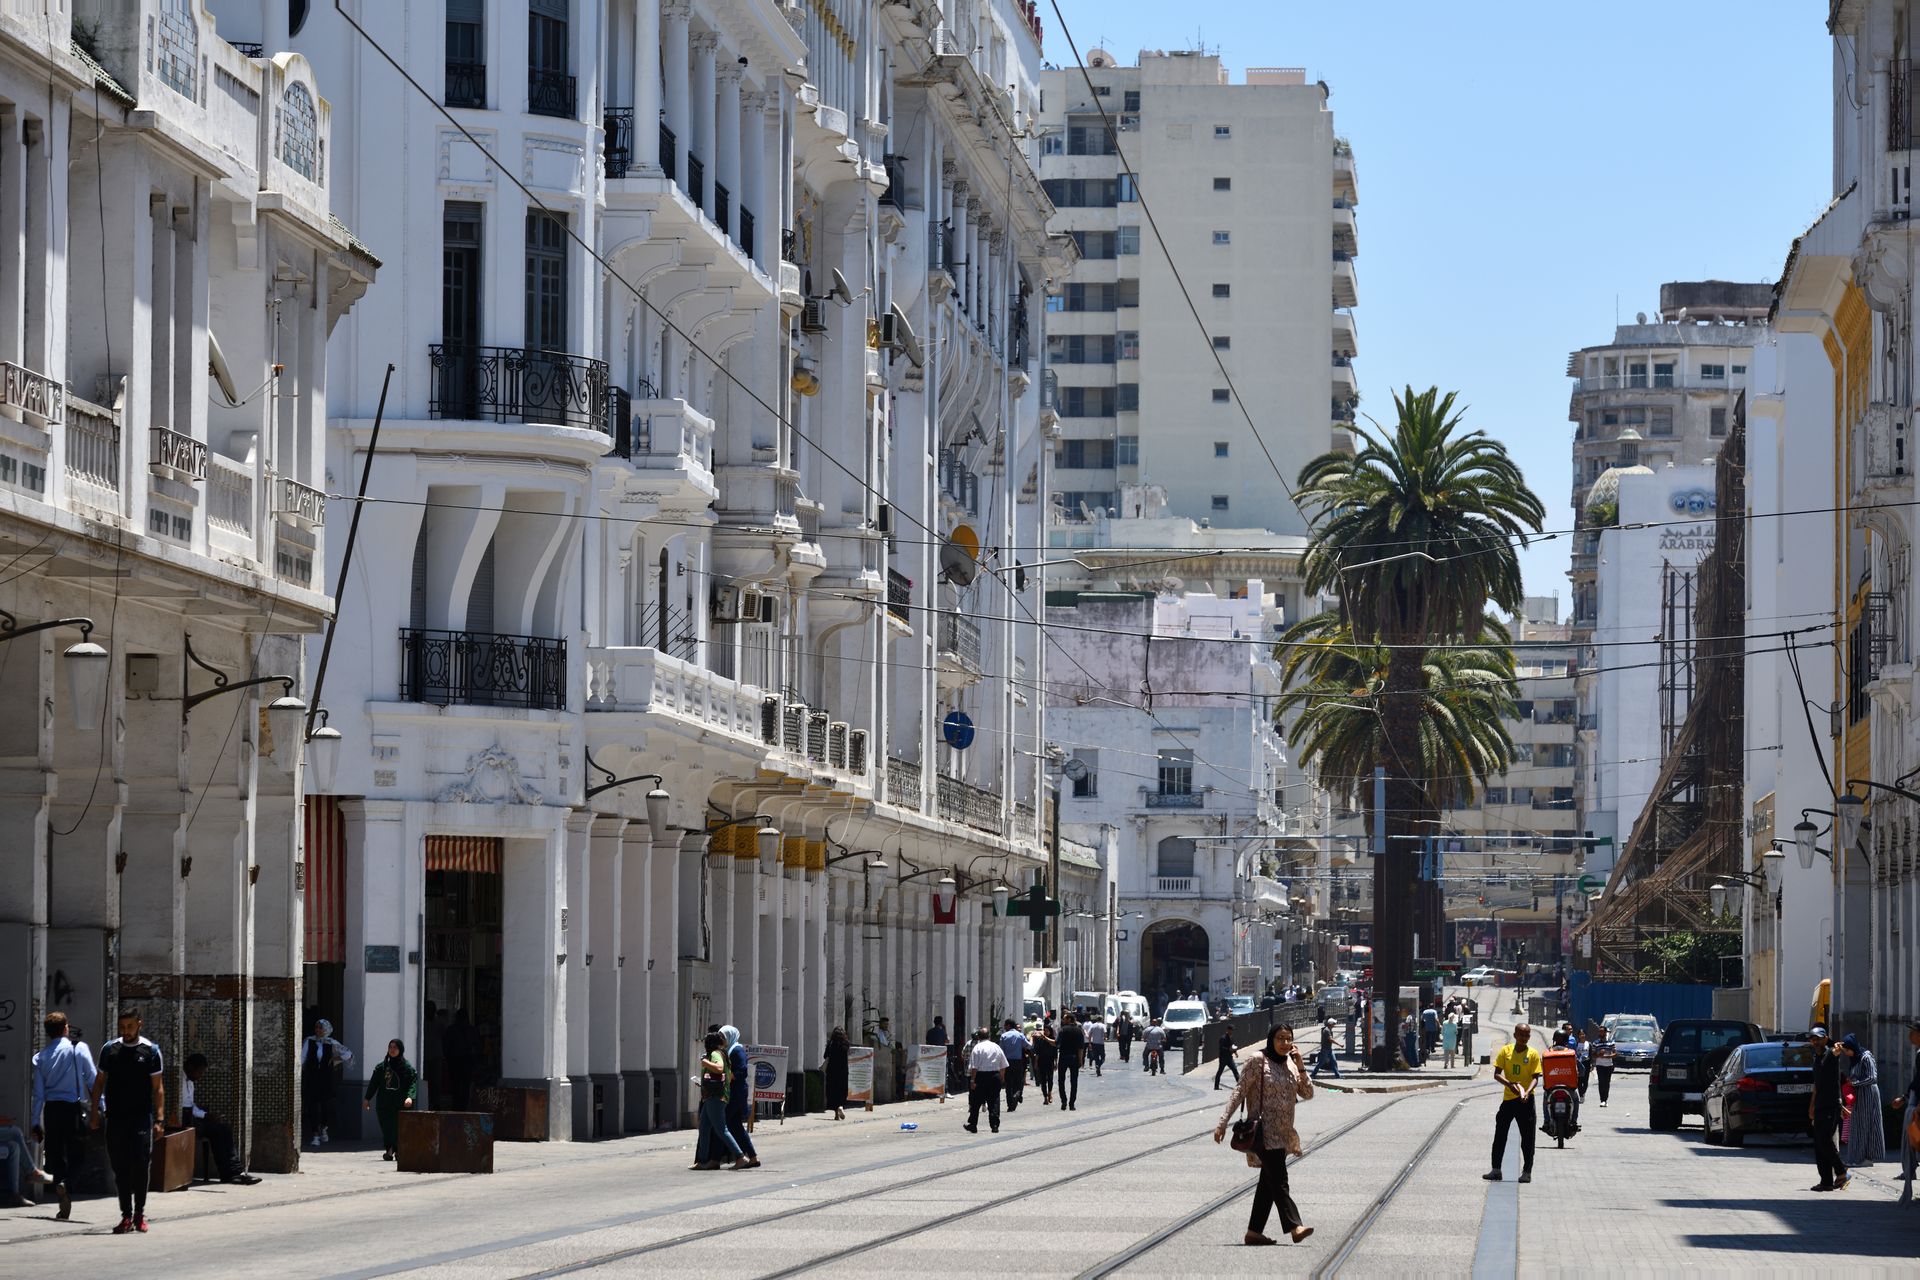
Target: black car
(1692,1051)
(1763,1088)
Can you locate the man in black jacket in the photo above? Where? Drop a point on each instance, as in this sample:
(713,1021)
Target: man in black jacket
(1823,1113)
(1073,1049)
(1225,1055)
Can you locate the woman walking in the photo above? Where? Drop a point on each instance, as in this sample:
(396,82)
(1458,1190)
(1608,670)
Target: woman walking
(1450,1037)
(714,1137)
(1268,1089)
(1867,1138)
(322,1062)
(833,1069)
(391,1086)
(739,1094)
(1044,1046)
(1910,1108)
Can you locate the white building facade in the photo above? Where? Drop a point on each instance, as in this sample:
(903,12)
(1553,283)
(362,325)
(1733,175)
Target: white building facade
(1256,196)
(165,209)
(710,699)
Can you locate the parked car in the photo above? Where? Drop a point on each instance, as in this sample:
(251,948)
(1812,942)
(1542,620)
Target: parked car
(1692,1051)
(1763,1088)
(1636,1041)
(1181,1017)
(1237,1005)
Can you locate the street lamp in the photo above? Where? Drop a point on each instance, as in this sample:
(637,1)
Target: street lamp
(86,665)
(323,754)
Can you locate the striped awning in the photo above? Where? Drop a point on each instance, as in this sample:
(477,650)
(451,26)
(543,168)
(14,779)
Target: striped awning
(326,896)
(464,853)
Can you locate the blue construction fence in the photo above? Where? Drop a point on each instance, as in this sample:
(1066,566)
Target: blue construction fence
(1590,1001)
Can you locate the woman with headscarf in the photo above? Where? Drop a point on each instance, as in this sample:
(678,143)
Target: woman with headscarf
(833,1070)
(1909,1108)
(714,1138)
(322,1060)
(1045,1047)
(1268,1089)
(1867,1138)
(739,1094)
(393,1084)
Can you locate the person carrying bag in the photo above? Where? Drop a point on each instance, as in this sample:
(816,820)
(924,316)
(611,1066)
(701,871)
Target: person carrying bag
(1268,1090)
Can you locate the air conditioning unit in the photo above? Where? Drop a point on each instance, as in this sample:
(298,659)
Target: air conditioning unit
(813,316)
(742,604)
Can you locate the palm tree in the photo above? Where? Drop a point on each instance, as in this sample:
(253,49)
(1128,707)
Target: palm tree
(1416,535)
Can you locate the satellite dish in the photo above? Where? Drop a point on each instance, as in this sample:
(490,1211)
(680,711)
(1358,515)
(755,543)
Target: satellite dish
(960,556)
(840,292)
(217,366)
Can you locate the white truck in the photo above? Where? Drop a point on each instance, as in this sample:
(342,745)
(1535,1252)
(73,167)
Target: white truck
(1040,992)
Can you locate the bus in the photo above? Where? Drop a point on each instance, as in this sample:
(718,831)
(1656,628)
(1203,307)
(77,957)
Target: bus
(1356,958)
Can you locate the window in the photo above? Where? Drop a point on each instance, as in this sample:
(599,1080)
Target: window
(1126,451)
(1739,369)
(1223,131)
(300,133)
(1223,237)
(1056,302)
(1126,344)
(1496,795)
(460,259)
(1713,372)
(546,281)
(1663,374)
(1223,184)
(1175,853)
(549,86)
(1126,241)
(1637,374)
(466,53)
(1080,193)
(1221,342)
(1086,402)
(1130,101)
(1103,91)
(1087,785)
(1716,422)
(1128,397)
(1219,502)
(1660,422)
(1123,189)
(1077,348)
(1176,779)
(1223,291)
(1053,144)
(1221,395)
(1219,448)
(1094,244)
(178,47)
(1082,455)
(1127,293)
(1088,136)
(1091,297)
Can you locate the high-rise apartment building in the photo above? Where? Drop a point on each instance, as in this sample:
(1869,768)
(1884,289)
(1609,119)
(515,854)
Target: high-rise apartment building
(1254,195)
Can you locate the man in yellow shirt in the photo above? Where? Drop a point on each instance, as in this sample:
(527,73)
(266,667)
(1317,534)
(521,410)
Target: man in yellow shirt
(1518,1067)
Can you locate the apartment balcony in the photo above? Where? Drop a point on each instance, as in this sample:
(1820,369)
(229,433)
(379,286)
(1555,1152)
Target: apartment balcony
(1346,337)
(551,93)
(93,456)
(616,153)
(670,446)
(957,651)
(1345,385)
(1346,289)
(903,783)
(466,84)
(637,681)
(1176,799)
(300,505)
(480,669)
(1174,886)
(899,600)
(971,806)
(1346,178)
(679,205)
(804,737)
(1346,233)
(513,384)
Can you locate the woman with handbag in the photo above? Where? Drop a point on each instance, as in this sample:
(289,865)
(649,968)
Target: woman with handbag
(1268,1089)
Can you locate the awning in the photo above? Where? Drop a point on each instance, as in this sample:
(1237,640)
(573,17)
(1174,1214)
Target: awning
(326,891)
(464,853)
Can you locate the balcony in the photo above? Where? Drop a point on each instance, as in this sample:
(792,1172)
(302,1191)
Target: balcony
(550,93)
(479,669)
(669,164)
(696,181)
(1176,800)
(175,456)
(617,149)
(229,498)
(900,598)
(512,384)
(903,783)
(1346,179)
(1176,886)
(93,454)
(1346,288)
(647,681)
(743,234)
(968,805)
(1346,337)
(722,208)
(298,504)
(1345,385)
(1346,231)
(957,651)
(467,84)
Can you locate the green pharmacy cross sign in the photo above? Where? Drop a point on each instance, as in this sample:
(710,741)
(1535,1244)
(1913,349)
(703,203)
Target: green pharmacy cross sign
(1036,906)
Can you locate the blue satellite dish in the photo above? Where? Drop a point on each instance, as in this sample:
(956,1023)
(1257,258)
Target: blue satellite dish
(957,729)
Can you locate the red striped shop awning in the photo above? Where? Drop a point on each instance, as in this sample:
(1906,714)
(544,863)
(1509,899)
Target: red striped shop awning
(464,853)
(326,881)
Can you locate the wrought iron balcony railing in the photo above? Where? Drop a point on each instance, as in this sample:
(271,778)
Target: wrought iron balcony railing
(466,84)
(618,155)
(668,145)
(550,93)
(696,180)
(722,198)
(960,637)
(512,384)
(479,669)
(900,596)
(745,238)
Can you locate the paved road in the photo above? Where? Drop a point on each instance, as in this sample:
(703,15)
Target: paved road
(1122,1186)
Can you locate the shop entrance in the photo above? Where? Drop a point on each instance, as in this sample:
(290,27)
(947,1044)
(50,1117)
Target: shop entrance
(1174,961)
(463,974)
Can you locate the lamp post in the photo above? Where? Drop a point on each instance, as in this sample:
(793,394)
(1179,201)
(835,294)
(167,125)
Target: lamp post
(86,664)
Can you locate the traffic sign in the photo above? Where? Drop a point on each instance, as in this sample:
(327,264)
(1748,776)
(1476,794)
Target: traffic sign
(957,729)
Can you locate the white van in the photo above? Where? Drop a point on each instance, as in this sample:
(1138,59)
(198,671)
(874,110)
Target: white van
(1134,1005)
(1182,1017)
(1103,1005)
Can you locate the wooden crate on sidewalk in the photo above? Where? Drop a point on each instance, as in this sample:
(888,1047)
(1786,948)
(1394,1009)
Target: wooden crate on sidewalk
(445,1142)
(172,1168)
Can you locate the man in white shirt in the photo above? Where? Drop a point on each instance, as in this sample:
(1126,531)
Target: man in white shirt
(1096,1043)
(217,1132)
(986,1064)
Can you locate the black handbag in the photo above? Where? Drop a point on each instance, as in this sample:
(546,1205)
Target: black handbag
(1246,1135)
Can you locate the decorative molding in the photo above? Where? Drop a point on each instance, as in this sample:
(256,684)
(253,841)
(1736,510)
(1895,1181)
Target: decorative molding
(492,777)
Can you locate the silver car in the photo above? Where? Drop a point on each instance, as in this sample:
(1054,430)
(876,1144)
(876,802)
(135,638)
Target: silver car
(1635,1041)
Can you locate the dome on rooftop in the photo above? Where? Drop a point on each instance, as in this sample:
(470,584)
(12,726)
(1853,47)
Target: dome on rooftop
(1606,487)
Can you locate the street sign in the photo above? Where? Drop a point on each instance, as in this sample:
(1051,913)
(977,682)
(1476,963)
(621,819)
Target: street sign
(957,730)
(1589,884)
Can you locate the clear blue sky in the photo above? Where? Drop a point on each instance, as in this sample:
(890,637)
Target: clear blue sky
(1521,167)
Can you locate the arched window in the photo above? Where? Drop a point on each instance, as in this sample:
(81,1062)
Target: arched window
(1176,856)
(300,132)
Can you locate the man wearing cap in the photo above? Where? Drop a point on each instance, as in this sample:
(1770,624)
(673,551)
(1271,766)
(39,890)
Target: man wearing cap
(1823,1113)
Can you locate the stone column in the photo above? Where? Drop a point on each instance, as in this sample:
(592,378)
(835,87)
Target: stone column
(648,96)
(635,981)
(726,142)
(533,998)
(666,1036)
(753,178)
(576,932)
(273,1134)
(605,946)
(705,100)
(13,235)
(746,928)
(767,1006)
(677,59)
